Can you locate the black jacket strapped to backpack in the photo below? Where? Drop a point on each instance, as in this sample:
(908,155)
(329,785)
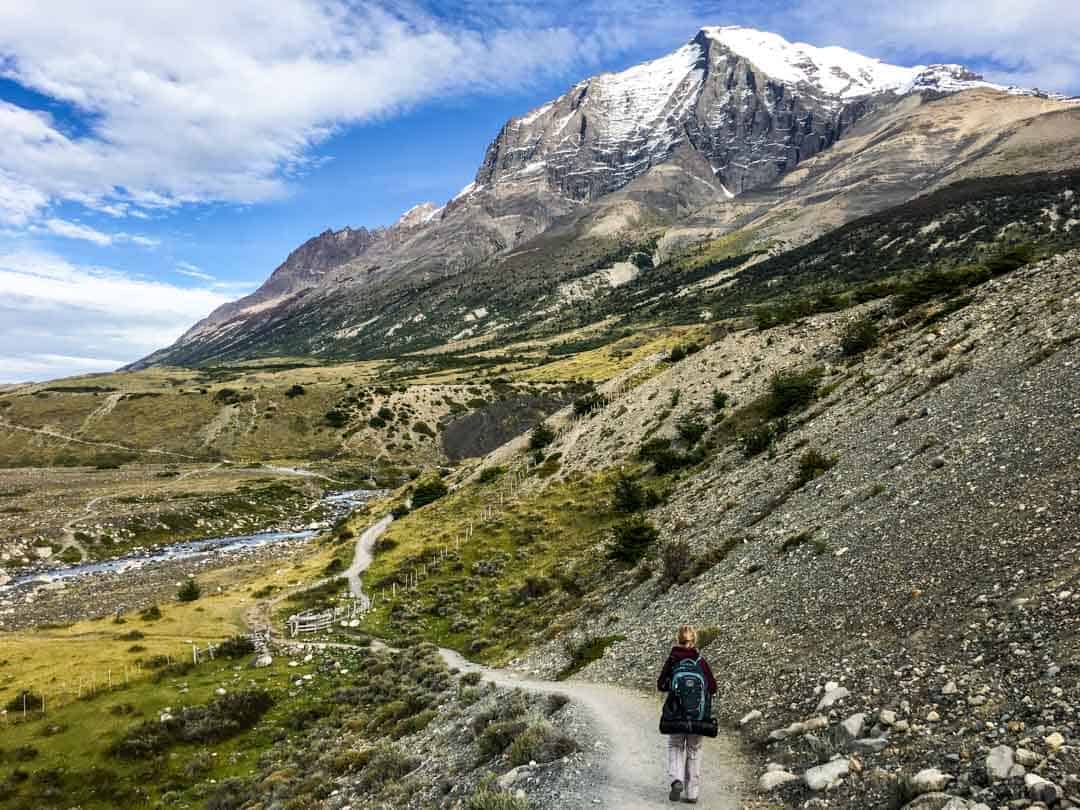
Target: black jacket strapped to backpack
(689,685)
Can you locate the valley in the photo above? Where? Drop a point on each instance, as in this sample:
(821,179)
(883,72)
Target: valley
(776,340)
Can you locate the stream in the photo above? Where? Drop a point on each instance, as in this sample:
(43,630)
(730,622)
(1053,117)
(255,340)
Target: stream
(339,504)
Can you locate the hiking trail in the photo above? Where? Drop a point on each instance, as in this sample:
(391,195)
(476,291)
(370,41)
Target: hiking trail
(635,772)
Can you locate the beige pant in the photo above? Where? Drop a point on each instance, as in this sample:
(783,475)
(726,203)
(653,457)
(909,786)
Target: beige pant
(684,762)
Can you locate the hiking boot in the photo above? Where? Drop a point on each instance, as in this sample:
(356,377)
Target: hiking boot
(676,790)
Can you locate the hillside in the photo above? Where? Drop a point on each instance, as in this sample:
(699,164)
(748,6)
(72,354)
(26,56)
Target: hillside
(739,135)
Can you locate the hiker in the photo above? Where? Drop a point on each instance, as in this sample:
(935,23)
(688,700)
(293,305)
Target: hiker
(687,713)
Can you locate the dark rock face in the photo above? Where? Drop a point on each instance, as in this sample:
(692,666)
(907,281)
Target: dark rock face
(481,431)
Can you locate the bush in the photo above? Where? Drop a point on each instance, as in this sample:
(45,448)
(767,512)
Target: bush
(690,427)
(423,429)
(489,474)
(428,491)
(499,736)
(487,798)
(216,721)
(150,614)
(677,560)
(632,539)
(399,511)
(336,418)
(386,764)
(629,495)
(131,635)
(791,391)
(757,440)
(24,698)
(540,437)
(584,652)
(587,404)
(665,459)
(542,743)
(189,591)
(719,400)
(812,463)
(858,336)
(236,647)
(295,391)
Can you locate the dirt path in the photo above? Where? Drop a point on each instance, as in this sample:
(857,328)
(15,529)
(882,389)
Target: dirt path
(635,774)
(52,434)
(365,544)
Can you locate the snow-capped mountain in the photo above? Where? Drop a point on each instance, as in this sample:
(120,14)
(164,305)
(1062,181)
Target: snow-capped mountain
(754,104)
(680,139)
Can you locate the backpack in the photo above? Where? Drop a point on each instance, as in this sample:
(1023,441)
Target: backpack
(688,708)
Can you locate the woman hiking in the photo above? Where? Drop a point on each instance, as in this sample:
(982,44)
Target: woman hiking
(687,714)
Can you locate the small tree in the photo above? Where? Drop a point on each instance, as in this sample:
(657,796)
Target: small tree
(541,437)
(189,591)
(428,491)
(691,427)
(629,495)
(858,336)
(633,537)
(677,561)
(791,391)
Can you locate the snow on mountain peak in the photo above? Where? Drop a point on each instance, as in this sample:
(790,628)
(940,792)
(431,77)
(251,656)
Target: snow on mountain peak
(418,215)
(837,71)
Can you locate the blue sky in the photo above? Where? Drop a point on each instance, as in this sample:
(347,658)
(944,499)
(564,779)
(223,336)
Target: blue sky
(155,163)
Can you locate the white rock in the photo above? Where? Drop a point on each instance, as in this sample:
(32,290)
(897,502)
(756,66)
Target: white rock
(949,688)
(750,717)
(853,726)
(1055,740)
(827,775)
(1029,759)
(930,780)
(770,780)
(1001,764)
(264,660)
(831,696)
(220,692)
(933,716)
(887,717)
(1041,790)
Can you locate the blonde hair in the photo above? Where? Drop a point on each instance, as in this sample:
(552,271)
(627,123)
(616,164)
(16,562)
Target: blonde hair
(687,635)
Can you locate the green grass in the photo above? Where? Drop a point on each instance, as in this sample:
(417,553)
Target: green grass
(530,565)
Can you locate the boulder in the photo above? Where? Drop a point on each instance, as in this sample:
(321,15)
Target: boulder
(750,718)
(886,717)
(264,660)
(869,745)
(827,775)
(771,780)
(853,726)
(1041,790)
(1054,741)
(832,696)
(930,780)
(1001,764)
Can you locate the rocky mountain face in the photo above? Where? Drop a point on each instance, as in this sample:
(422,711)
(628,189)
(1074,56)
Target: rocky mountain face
(702,142)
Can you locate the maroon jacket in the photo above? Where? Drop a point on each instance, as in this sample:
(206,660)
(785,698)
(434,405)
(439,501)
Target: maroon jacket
(677,654)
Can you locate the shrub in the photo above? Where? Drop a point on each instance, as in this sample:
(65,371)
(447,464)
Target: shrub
(719,400)
(665,459)
(676,559)
(131,635)
(706,636)
(295,391)
(150,614)
(236,647)
(858,336)
(189,591)
(399,511)
(386,764)
(216,721)
(812,464)
(542,743)
(584,652)
(423,429)
(376,422)
(791,391)
(336,418)
(428,491)
(499,736)
(632,539)
(587,404)
(690,427)
(629,495)
(335,566)
(757,440)
(489,474)
(24,698)
(487,798)
(540,437)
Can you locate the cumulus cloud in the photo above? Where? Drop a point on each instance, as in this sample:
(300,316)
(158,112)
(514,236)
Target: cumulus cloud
(58,318)
(227,104)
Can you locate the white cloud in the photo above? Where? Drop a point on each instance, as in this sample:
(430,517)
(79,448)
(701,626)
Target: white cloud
(193,271)
(224,104)
(57,318)
(76,230)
